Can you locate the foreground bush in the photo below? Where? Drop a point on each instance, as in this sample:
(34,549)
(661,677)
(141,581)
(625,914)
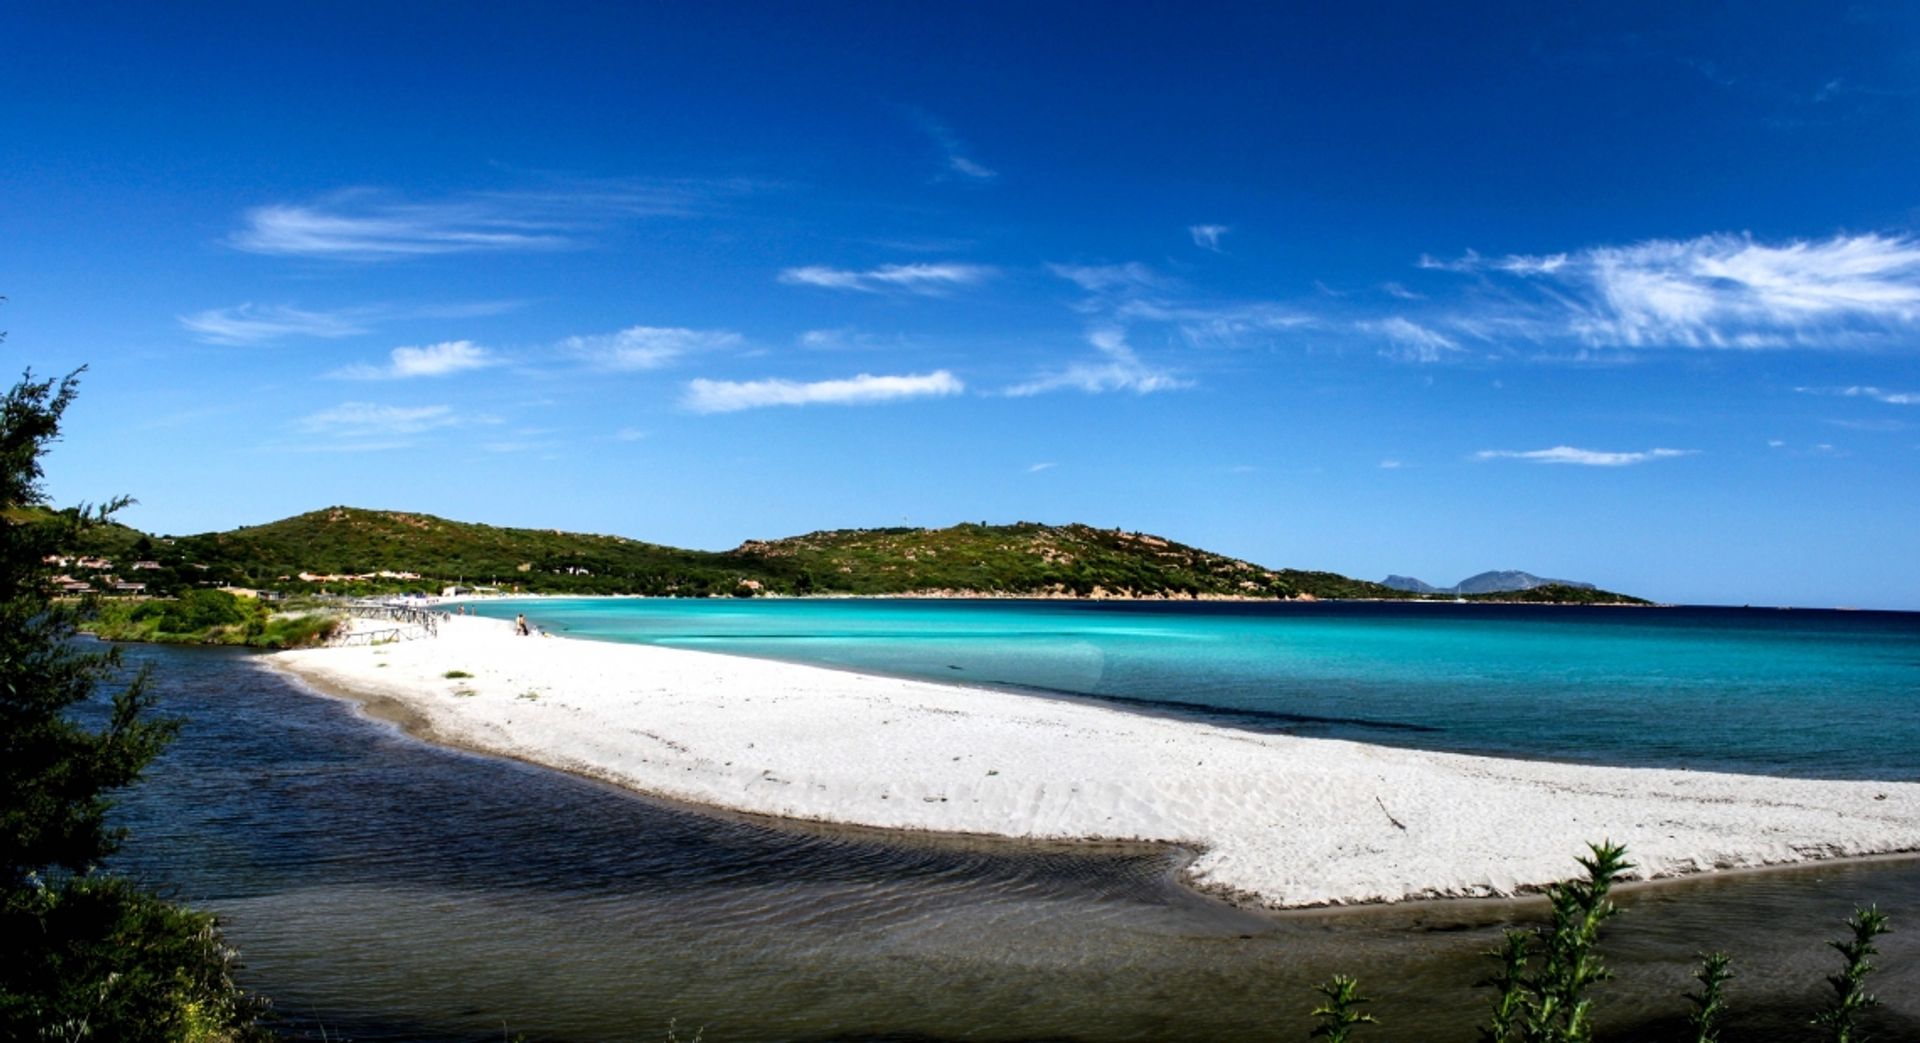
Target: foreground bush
(83,955)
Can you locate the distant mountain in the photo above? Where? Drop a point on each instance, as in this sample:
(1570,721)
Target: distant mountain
(1497,582)
(1501,582)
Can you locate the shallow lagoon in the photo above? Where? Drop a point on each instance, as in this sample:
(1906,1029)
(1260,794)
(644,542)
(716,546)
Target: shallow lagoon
(382,888)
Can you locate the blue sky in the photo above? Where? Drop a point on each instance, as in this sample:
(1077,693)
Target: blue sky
(1630,296)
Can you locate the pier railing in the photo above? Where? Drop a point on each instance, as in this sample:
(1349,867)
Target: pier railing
(375,637)
(410,623)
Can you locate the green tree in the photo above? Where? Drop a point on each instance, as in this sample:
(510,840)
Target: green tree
(87,954)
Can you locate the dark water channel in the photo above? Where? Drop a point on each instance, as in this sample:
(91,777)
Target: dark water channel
(381,888)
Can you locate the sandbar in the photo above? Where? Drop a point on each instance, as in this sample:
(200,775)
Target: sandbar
(1280,821)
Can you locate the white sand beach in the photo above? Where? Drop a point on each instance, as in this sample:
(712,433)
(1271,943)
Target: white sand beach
(1281,821)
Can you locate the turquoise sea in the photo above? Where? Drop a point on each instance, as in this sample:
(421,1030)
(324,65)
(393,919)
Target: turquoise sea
(1810,693)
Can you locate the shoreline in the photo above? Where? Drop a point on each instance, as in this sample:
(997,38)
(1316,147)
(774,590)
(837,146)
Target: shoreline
(1142,599)
(1277,822)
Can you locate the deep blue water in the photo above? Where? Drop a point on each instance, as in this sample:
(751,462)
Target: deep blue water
(1804,692)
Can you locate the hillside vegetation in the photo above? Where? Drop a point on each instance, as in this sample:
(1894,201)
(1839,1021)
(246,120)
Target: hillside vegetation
(345,549)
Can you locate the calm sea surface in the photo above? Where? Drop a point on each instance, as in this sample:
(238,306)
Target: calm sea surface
(1808,693)
(382,888)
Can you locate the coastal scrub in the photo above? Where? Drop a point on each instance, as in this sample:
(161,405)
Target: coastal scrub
(208,617)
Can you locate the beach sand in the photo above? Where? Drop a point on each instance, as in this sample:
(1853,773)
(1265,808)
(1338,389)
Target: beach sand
(1280,821)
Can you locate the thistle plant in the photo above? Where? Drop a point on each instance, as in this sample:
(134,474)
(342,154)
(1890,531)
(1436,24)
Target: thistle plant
(1850,998)
(1340,1010)
(1545,973)
(1510,1005)
(1548,1003)
(1709,1011)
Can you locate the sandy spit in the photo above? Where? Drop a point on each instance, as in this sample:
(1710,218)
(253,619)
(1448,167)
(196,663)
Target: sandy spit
(1282,821)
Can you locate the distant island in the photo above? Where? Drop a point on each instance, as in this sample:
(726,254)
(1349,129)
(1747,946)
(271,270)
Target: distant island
(358,551)
(1496,582)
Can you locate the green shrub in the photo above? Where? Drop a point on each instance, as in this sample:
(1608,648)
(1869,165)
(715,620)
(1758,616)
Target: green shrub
(295,631)
(199,610)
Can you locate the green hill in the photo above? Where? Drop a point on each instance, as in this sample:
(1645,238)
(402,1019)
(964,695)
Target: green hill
(1026,558)
(397,550)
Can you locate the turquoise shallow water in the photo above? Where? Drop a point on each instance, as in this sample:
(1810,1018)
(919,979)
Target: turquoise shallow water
(1805,693)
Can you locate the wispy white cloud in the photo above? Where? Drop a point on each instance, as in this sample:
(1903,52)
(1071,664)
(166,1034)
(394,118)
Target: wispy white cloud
(360,421)
(1566,454)
(1115,367)
(930,279)
(250,324)
(851,338)
(954,152)
(1394,289)
(1218,325)
(1391,465)
(1892,398)
(1125,295)
(368,225)
(960,164)
(432,360)
(1839,88)
(1883,425)
(525,440)
(1037,468)
(350,229)
(1716,291)
(247,324)
(831,339)
(728,396)
(1132,277)
(647,347)
(1207,237)
(1411,341)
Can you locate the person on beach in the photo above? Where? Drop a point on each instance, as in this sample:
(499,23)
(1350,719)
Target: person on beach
(520,624)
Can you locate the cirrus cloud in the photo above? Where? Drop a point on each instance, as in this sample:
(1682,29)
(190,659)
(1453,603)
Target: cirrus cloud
(1207,237)
(1712,291)
(647,347)
(1115,367)
(729,396)
(369,225)
(245,324)
(1892,398)
(927,279)
(1566,454)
